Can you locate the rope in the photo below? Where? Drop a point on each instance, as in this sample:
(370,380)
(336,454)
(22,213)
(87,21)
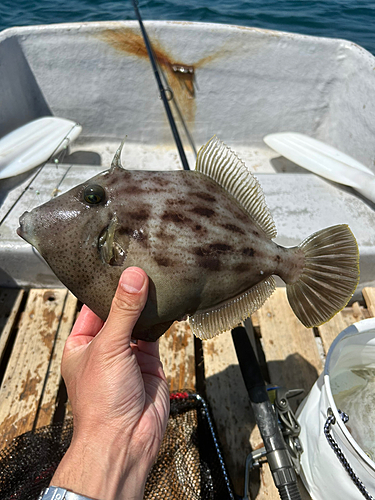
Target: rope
(331,420)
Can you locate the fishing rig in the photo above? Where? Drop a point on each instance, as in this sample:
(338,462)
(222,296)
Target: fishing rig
(277,424)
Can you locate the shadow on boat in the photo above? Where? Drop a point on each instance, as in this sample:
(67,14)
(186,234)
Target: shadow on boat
(83,158)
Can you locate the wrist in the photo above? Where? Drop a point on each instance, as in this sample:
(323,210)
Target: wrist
(103,470)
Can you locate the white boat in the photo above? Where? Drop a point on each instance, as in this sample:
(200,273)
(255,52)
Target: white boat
(239,83)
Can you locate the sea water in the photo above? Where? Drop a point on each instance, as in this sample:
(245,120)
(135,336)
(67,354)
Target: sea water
(350,19)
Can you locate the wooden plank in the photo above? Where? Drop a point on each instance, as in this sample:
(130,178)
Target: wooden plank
(230,405)
(369,296)
(24,379)
(10,301)
(177,355)
(49,398)
(290,349)
(329,331)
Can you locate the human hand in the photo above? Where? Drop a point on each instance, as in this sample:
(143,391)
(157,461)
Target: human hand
(119,397)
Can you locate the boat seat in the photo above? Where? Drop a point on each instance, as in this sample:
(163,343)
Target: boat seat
(300,204)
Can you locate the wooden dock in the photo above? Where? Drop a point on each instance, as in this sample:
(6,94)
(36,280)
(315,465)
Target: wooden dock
(36,323)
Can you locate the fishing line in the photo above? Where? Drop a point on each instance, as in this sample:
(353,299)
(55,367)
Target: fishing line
(55,158)
(180,115)
(162,90)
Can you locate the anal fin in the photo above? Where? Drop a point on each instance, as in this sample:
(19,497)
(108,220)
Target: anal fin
(210,322)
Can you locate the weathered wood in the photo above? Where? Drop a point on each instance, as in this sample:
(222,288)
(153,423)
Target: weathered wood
(24,379)
(290,349)
(230,405)
(49,401)
(177,355)
(329,331)
(10,301)
(369,295)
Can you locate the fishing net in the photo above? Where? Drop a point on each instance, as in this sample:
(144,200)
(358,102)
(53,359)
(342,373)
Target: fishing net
(189,465)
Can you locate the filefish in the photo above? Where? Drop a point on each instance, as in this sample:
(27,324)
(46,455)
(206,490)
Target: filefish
(204,238)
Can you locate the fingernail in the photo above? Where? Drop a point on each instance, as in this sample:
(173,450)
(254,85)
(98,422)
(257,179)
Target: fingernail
(132,280)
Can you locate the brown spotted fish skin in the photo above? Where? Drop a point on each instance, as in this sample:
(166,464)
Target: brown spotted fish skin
(196,242)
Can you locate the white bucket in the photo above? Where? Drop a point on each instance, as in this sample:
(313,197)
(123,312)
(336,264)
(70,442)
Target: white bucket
(346,380)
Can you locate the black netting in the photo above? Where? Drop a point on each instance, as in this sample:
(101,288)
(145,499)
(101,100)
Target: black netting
(188,467)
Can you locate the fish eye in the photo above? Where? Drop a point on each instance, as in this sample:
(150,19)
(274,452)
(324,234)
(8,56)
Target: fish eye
(94,194)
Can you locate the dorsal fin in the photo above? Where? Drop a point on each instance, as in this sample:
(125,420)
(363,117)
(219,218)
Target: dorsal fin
(116,162)
(221,164)
(209,323)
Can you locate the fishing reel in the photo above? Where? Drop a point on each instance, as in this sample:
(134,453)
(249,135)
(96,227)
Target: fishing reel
(290,429)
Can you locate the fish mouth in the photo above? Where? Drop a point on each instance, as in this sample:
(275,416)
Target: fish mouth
(25,229)
(111,252)
(20,230)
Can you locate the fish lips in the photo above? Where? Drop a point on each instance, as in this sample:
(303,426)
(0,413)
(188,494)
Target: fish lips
(25,230)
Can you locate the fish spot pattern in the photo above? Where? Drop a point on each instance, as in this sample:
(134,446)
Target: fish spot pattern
(163,261)
(212,249)
(241,268)
(213,264)
(141,214)
(203,211)
(165,236)
(161,181)
(250,252)
(175,217)
(233,228)
(206,197)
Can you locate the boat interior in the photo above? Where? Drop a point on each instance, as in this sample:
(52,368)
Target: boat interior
(240,84)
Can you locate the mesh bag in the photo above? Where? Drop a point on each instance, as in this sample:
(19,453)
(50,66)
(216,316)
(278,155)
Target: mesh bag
(189,465)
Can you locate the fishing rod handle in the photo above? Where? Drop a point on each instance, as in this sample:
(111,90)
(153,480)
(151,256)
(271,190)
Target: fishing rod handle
(278,458)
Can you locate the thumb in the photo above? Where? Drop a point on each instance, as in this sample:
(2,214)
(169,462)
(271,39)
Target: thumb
(127,304)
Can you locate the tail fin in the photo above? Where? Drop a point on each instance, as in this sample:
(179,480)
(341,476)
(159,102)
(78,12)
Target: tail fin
(329,277)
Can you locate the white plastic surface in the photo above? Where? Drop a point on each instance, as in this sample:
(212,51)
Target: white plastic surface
(34,143)
(322,473)
(324,160)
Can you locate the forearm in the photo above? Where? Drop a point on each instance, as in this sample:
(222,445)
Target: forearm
(119,397)
(102,471)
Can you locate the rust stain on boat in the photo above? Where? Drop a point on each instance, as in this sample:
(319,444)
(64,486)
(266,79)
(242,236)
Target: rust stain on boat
(181,82)
(181,76)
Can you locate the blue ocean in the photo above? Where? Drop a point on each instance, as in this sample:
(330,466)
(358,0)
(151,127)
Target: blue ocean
(350,19)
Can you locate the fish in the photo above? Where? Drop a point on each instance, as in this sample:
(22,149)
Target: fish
(205,239)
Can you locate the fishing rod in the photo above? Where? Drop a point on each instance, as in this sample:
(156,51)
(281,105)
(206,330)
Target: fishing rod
(276,451)
(161,88)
